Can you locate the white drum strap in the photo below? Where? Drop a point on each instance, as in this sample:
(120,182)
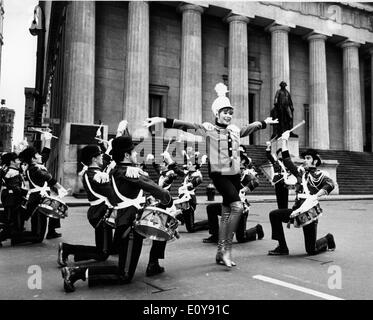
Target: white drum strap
(100,197)
(304,184)
(43,190)
(127,202)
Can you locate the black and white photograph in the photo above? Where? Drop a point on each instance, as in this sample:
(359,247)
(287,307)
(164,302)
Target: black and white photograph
(187,155)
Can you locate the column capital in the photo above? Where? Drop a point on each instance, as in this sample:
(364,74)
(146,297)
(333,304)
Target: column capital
(273,27)
(235,17)
(348,43)
(315,36)
(189,7)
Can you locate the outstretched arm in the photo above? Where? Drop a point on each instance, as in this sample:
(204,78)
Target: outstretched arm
(257,125)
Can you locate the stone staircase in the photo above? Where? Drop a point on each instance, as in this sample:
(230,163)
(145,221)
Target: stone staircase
(354,173)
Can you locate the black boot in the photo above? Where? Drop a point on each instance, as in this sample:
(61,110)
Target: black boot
(70,275)
(331,243)
(52,234)
(279,251)
(153,268)
(259,231)
(62,255)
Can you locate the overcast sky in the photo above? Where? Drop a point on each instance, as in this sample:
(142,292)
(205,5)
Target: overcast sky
(18,59)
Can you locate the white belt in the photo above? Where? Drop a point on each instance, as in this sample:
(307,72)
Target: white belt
(131,202)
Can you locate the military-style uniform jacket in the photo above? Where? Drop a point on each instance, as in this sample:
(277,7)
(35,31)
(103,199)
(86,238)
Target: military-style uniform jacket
(38,175)
(222,142)
(13,188)
(129,180)
(315,180)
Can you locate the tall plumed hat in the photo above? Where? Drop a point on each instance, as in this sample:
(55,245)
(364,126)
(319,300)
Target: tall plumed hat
(221,101)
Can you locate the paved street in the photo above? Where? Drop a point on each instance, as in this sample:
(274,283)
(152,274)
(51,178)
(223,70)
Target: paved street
(191,272)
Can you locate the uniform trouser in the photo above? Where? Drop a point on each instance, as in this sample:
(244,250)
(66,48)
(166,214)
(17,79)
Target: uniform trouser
(38,229)
(188,215)
(99,252)
(129,245)
(313,246)
(282,195)
(242,235)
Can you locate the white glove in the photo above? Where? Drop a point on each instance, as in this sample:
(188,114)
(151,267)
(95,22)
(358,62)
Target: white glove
(109,146)
(149,157)
(269,120)
(47,136)
(285,135)
(204,159)
(122,126)
(62,192)
(197,153)
(167,157)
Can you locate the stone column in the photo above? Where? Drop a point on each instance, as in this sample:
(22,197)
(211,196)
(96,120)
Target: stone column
(238,77)
(191,64)
(136,91)
(79,89)
(319,120)
(353,139)
(280,70)
(371,92)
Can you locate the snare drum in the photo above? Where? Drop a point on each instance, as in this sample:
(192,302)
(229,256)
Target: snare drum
(156,224)
(53,207)
(305,218)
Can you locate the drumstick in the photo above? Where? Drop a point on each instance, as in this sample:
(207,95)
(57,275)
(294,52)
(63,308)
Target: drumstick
(41,131)
(296,127)
(102,140)
(168,145)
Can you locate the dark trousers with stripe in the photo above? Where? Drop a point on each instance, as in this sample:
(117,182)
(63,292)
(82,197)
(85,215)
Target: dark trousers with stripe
(128,243)
(312,244)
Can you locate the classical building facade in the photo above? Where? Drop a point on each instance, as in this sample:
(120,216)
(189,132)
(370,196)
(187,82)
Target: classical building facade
(6,127)
(107,61)
(1,30)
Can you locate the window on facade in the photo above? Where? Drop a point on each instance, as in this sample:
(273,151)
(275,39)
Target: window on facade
(307,124)
(158,97)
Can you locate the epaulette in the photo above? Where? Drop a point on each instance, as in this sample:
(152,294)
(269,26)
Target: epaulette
(134,172)
(233,128)
(11,173)
(101,177)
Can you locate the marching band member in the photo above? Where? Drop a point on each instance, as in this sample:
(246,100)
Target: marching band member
(248,183)
(102,199)
(224,165)
(40,181)
(128,182)
(281,190)
(315,184)
(12,196)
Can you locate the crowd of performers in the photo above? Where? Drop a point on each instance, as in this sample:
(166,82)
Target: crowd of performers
(127,206)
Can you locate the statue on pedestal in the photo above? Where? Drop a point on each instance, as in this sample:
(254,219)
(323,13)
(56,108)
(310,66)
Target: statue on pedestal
(283,110)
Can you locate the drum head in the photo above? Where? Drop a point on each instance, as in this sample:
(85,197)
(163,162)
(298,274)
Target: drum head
(151,232)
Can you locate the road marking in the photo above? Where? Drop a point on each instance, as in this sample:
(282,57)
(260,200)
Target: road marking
(295,287)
